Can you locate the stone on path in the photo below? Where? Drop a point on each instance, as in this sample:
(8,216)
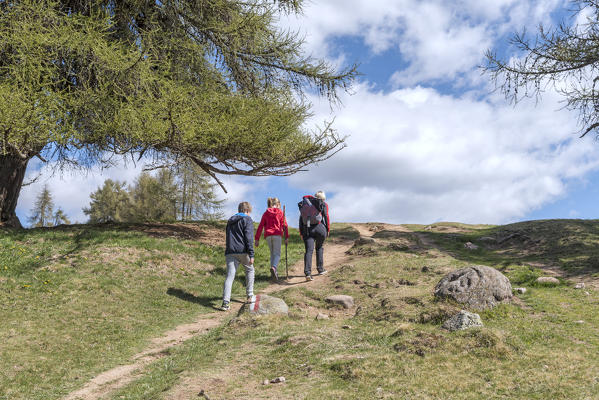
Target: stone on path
(548,280)
(477,286)
(320,316)
(263,304)
(462,320)
(341,299)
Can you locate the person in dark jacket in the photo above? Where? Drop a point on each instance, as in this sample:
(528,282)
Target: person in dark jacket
(239,249)
(314,235)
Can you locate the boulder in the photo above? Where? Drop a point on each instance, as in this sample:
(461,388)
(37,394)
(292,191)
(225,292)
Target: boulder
(550,280)
(364,240)
(341,299)
(462,320)
(470,246)
(478,286)
(262,304)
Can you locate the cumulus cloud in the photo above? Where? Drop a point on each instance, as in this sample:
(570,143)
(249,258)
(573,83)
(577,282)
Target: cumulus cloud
(416,155)
(70,189)
(438,40)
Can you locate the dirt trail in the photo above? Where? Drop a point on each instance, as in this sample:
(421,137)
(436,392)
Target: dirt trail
(110,381)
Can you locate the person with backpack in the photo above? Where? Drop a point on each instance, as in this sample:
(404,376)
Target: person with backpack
(239,249)
(314,227)
(275,225)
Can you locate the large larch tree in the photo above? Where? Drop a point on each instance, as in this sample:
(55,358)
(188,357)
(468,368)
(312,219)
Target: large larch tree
(217,82)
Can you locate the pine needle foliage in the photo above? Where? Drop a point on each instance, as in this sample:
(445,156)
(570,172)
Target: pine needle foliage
(213,80)
(565,58)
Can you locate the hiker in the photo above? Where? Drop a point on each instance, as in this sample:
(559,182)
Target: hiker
(275,225)
(239,249)
(314,227)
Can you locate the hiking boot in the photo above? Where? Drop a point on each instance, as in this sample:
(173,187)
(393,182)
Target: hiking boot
(226,306)
(309,278)
(324,271)
(273,274)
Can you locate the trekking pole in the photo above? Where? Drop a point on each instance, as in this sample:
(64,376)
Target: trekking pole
(286,268)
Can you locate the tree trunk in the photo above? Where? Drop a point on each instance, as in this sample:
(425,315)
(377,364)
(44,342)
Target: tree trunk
(12,172)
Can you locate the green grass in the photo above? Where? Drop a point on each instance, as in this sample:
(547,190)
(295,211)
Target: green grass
(391,344)
(96,295)
(77,300)
(572,245)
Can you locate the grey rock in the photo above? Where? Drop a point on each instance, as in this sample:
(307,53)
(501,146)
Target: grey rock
(280,379)
(520,290)
(579,322)
(548,280)
(470,246)
(364,240)
(462,320)
(478,286)
(341,299)
(262,304)
(579,285)
(320,316)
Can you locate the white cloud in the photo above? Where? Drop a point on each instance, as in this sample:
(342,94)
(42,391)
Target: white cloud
(438,40)
(417,156)
(70,189)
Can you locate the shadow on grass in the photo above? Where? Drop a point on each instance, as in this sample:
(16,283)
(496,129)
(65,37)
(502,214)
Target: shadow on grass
(206,301)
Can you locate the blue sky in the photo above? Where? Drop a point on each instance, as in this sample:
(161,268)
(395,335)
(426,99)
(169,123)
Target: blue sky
(428,138)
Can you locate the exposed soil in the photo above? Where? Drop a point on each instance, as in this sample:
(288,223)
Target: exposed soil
(335,257)
(109,381)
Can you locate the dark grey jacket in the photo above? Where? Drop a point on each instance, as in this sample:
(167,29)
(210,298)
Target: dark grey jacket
(240,235)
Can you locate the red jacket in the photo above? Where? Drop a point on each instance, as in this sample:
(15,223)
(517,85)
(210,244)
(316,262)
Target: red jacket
(274,223)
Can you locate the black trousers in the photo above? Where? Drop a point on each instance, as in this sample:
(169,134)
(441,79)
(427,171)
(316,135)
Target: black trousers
(315,238)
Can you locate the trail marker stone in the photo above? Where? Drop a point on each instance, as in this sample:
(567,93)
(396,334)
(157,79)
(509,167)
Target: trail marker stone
(262,304)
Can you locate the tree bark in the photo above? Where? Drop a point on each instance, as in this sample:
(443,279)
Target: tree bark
(12,172)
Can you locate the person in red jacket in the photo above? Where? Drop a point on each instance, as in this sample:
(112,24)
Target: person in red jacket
(275,225)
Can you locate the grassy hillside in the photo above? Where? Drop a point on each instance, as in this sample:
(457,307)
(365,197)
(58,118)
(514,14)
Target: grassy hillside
(79,300)
(542,346)
(568,245)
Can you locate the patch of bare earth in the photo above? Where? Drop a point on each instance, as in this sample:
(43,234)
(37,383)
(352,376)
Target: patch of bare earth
(110,381)
(215,382)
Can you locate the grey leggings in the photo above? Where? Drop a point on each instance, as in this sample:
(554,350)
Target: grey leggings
(233,261)
(274,245)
